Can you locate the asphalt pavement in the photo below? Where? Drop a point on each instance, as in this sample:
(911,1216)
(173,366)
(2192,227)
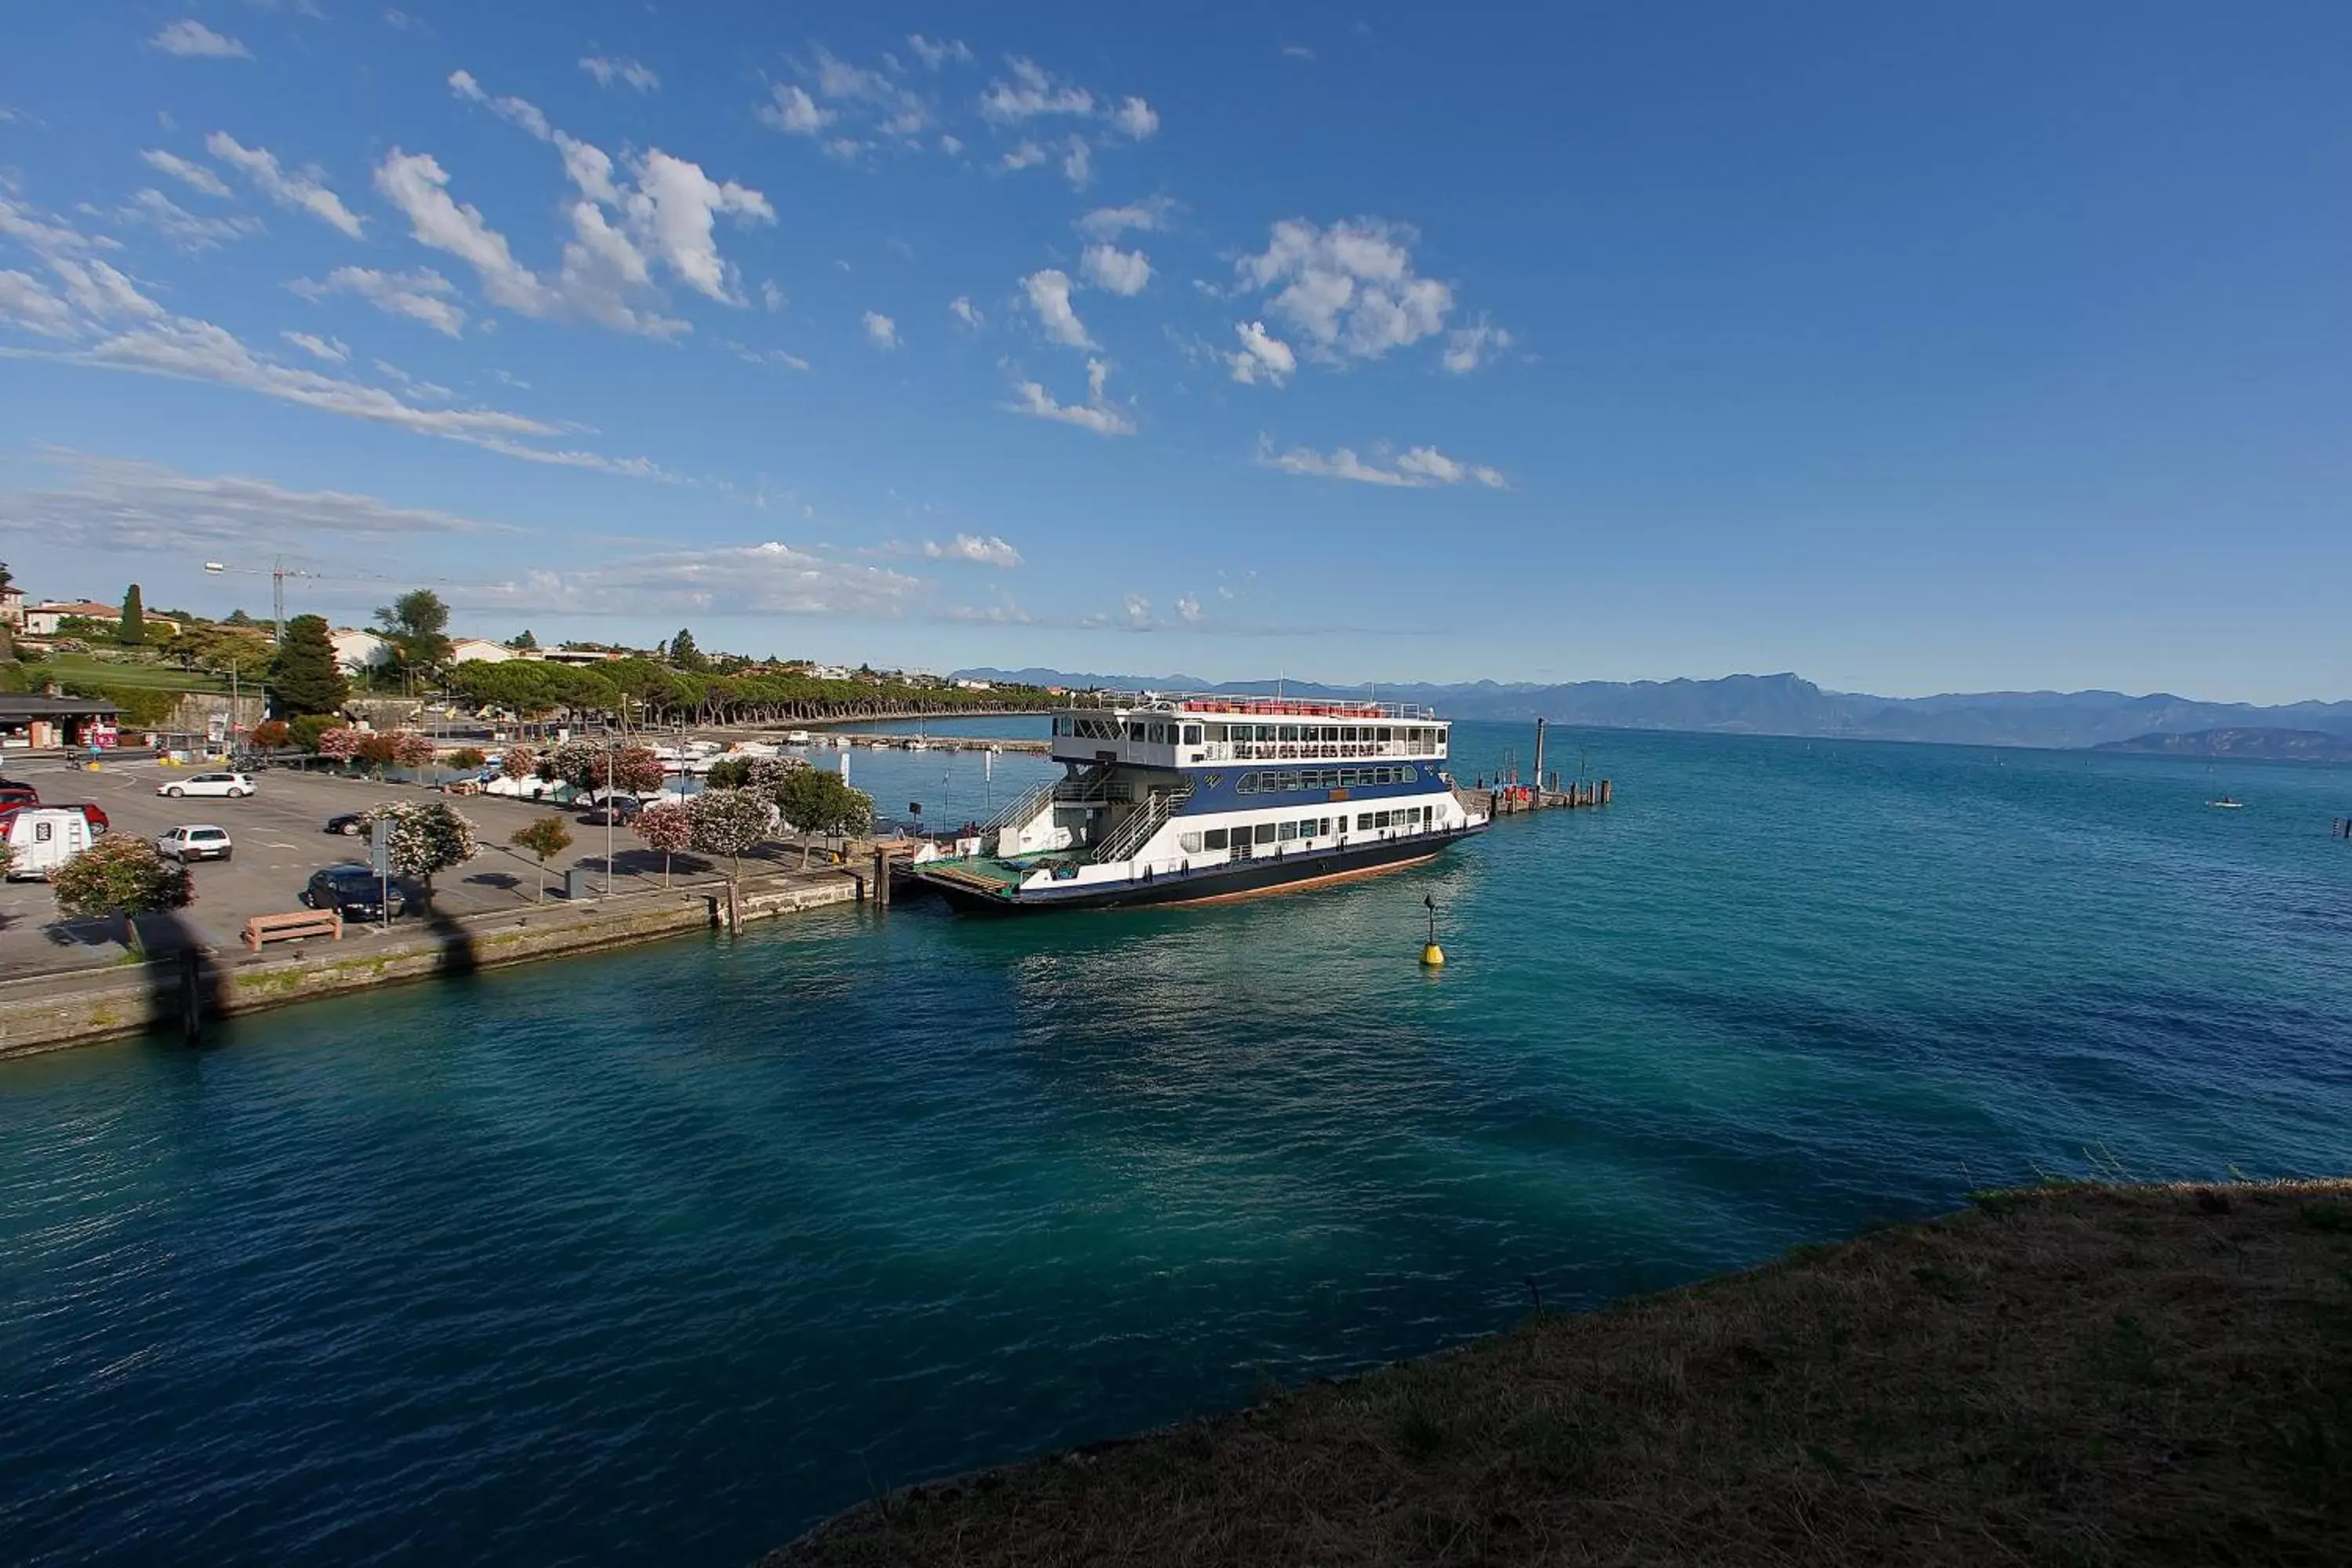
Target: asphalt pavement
(279,838)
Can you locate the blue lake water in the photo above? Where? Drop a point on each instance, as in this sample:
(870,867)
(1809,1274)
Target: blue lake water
(664,1254)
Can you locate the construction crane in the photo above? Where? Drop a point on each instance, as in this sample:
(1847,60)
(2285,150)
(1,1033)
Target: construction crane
(278,571)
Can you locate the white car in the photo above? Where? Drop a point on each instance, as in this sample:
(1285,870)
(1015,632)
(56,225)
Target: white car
(196,841)
(230,784)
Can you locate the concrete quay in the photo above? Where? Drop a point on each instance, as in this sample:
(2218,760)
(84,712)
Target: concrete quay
(51,1012)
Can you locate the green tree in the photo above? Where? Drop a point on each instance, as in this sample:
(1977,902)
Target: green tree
(308,729)
(7,632)
(546,836)
(684,655)
(417,626)
(428,837)
(730,822)
(121,875)
(818,802)
(132,630)
(306,677)
(523,642)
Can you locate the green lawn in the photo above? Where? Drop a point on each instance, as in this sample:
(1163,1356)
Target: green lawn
(161,676)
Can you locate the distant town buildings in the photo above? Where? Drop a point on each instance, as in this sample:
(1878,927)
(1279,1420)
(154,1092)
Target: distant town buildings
(45,620)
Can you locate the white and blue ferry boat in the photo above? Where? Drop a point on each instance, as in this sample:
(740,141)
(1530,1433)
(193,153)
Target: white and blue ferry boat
(1184,799)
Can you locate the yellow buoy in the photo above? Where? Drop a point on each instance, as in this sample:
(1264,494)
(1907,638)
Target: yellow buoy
(1433,956)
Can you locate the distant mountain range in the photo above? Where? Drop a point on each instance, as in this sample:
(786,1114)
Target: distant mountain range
(1788,705)
(2268,745)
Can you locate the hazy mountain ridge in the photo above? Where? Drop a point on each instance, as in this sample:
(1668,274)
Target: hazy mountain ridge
(1788,704)
(2264,744)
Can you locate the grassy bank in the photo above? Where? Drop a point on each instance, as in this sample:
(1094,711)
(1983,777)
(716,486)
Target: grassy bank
(2071,1374)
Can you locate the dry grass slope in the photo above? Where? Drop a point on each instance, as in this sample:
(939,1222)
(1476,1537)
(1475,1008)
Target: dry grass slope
(2073,1374)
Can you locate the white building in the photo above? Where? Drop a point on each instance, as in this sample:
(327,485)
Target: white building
(358,651)
(463,650)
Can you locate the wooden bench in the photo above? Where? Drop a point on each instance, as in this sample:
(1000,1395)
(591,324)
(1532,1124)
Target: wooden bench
(293,927)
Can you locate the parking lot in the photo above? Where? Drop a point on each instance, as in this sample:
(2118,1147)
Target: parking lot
(280,839)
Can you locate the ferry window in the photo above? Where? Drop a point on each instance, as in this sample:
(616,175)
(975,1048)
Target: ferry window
(1289,732)
(1363,821)
(1349,778)
(1386,733)
(1190,843)
(1266,833)
(1322,827)
(1192,734)
(1287,830)
(1290,781)
(1214,840)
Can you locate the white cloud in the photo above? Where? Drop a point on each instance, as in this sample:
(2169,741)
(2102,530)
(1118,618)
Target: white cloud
(963,309)
(100,292)
(105,504)
(1419,467)
(792,110)
(765,357)
(1094,415)
(1467,348)
(416,386)
(417,184)
(132,334)
(334,350)
(1049,297)
(48,236)
(1350,290)
(1262,356)
(771,297)
(1026,155)
(1109,223)
(1120,271)
(1031,93)
(675,207)
(990,551)
(884,105)
(881,331)
(195,176)
(620,68)
(1138,608)
(1135,118)
(186,230)
(302,190)
(191,39)
(1078,164)
(1188,607)
(520,110)
(952,145)
(937,55)
(29,305)
(671,211)
(774,578)
(421,295)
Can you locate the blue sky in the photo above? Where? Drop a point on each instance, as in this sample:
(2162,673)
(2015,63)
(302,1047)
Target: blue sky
(1982,346)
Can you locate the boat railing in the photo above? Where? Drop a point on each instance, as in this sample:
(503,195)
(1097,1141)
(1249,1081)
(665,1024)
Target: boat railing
(1022,810)
(1136,830)
(1306,751)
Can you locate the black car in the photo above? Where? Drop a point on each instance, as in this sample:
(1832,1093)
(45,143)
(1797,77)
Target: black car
(620,811)
(354,892)
(350,824)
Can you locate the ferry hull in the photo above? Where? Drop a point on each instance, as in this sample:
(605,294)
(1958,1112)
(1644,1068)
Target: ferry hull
(1291,873)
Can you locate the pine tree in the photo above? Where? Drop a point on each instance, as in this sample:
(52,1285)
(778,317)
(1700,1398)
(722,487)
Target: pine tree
(523,643)
(306,677)
(132,632)
(417,625)
(683,654)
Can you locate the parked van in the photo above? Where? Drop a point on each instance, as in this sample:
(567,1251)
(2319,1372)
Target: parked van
(44,838)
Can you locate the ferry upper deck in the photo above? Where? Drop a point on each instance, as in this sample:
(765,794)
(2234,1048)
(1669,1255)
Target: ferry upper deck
(1153,731)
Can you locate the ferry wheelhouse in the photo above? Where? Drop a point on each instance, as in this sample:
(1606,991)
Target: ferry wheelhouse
(1175,799)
